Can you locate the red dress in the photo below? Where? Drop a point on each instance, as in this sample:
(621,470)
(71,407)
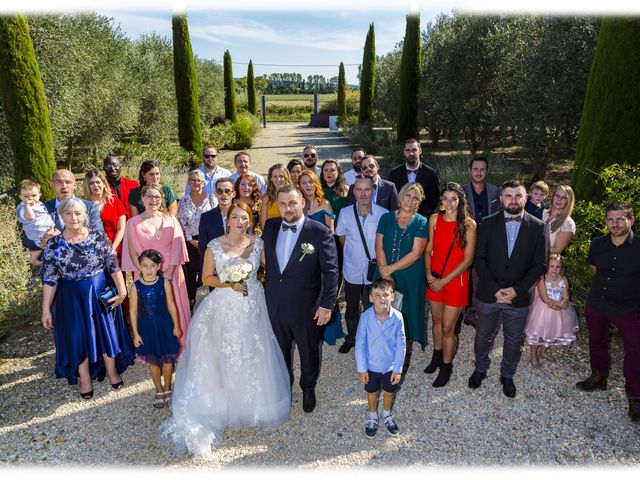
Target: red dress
(110,214)
(456,292)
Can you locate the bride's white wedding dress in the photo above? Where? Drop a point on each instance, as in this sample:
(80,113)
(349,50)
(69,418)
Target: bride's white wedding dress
(232,371)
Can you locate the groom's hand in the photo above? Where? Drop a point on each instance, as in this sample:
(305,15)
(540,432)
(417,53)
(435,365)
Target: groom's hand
(322,316)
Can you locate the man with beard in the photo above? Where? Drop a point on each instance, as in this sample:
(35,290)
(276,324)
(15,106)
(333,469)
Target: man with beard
(310,159)
(120,186)
(212,171)
(615,298)
(511,255)
(357,155)
(415,171)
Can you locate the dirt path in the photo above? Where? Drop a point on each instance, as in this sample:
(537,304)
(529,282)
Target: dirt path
(281,142)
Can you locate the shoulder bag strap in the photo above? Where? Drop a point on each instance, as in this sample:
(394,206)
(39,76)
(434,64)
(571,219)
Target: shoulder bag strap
(364,242)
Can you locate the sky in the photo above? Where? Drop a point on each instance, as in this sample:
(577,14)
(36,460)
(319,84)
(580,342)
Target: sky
(301,36)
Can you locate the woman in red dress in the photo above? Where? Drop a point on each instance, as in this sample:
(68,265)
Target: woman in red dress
(449,253)
(112,212)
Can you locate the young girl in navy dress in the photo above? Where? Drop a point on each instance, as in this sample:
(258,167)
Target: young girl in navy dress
(552,319)
(154,321)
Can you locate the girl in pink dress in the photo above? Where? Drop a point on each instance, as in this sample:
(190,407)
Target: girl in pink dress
(552,319)
(161,232)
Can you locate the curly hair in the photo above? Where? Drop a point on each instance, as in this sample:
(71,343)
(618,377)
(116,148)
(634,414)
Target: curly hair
(462,212)
(272,190)
(317,192)
(340,186)
(255,191)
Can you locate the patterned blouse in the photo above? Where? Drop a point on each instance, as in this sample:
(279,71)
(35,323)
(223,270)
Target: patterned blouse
(77,261)
(189,214)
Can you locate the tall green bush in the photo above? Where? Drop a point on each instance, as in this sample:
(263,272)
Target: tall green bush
(25,105)
(184,69)
(229,89)
(410,74)
(610,124)
(368,78)
(252,104)
(342,93)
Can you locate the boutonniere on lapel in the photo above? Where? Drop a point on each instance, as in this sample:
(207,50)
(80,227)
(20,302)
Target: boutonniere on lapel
(307,249)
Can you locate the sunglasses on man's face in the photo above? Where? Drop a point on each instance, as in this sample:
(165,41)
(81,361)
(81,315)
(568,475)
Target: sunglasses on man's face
(226,191)
(369,165)
(210,155)
(307,155)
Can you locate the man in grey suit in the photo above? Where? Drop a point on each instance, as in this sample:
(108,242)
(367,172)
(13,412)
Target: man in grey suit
(511,255)
(385,193)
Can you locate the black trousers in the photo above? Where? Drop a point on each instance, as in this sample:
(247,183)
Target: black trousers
(354,295)
(191,270)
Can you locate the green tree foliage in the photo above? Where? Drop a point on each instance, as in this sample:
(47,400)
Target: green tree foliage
(24,104)
(342,92)
(410,75)
(184,70)
(229,89)
(387,83)
(252,104)
(368,78)
(210,91)
(610,123)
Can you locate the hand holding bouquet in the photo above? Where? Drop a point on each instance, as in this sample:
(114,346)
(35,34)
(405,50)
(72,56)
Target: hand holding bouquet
(236,270)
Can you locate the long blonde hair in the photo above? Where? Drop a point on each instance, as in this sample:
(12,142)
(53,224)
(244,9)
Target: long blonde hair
(566,212)
(106,196)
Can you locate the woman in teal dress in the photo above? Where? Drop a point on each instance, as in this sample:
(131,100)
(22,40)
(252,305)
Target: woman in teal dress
(318,208)
(400,241)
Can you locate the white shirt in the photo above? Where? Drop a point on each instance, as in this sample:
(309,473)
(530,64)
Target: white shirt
(286,242)
(350,177)
(412,174)
(210,180)
(356,263)
(262,186)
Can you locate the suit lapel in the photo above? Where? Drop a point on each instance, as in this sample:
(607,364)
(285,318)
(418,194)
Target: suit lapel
(274,242)
(502,236)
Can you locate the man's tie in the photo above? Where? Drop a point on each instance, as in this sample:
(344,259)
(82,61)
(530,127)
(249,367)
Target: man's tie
(286,227)
(513,219)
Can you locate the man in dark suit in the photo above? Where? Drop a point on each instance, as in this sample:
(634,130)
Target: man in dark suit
(415,171)
(511,255)
(64,184)
(385,194)
(213,223)
(301,286)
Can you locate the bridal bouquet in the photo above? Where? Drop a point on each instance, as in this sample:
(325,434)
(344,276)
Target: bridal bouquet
(236,270)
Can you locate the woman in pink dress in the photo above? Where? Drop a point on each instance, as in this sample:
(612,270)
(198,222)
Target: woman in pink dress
(153,229)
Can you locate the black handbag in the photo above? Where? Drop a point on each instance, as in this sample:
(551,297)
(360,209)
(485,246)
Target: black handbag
(371,267)
(439,275)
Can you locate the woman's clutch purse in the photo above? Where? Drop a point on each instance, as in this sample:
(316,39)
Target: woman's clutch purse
(106,295)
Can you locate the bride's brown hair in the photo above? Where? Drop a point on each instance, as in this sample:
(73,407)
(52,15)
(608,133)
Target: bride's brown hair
(244,207)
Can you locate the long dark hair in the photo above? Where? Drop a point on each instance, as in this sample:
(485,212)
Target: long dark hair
(462,213)
(340,186)
(144,168)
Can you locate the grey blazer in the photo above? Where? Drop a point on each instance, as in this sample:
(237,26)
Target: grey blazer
(493,198)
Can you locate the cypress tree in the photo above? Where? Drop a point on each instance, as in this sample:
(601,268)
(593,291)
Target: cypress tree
(229,89)
(184,71)
(342,93)
(610,123)
(25,105)
(367,78)
(252,104)
(410,73)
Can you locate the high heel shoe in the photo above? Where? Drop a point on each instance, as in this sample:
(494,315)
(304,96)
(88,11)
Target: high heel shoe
(118,386)
(87,395)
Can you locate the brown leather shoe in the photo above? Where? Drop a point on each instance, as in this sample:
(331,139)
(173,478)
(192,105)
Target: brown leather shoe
(634,409)
(596,381)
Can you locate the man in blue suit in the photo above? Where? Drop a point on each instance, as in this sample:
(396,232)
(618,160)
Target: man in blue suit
(213,223)
(64,184)
(301,286)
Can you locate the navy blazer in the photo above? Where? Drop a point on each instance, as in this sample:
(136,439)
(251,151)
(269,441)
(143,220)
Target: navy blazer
(93,214)
(427,177)
(496,270)
(387,195)
(210,227)
(308,281)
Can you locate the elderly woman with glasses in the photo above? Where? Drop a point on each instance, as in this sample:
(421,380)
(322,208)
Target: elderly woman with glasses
(90,337)
(190,208)
(155,229)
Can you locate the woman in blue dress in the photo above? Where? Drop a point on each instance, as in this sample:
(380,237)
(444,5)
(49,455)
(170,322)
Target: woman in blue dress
(318,208)
(90,338)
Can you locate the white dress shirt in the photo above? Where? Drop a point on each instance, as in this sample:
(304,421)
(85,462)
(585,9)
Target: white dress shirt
(286,242)
(350,177)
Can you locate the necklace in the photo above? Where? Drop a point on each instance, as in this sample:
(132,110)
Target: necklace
(398,236)
(242,239)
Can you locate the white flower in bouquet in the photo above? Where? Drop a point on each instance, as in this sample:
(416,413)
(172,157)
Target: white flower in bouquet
(236,270)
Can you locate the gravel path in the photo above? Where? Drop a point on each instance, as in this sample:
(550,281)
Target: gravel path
(549,423)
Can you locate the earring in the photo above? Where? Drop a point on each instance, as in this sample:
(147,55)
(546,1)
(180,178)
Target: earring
(442,207)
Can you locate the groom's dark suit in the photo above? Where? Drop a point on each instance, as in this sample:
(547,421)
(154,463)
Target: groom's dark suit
(293,295)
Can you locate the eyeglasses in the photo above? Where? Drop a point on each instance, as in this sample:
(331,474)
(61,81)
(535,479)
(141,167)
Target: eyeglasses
(307,155)
(226,191)
(195,180)
(369,165)
(210,155)
(155,198)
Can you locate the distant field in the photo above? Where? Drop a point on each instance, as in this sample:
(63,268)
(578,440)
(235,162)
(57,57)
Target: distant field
(297,98)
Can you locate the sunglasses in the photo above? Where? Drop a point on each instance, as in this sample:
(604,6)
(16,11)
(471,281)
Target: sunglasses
(210,155)
(226,191)
(369,165)
(307,155)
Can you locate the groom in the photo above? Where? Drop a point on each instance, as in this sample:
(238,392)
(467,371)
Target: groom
(301,287)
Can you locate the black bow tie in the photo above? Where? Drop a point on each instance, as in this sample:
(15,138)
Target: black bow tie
(409,172)
(512,219)
(286,227)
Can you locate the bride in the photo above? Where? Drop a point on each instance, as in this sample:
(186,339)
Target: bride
(232,371)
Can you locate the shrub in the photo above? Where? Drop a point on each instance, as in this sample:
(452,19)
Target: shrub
(236,135)
(19,291)
(288,113)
